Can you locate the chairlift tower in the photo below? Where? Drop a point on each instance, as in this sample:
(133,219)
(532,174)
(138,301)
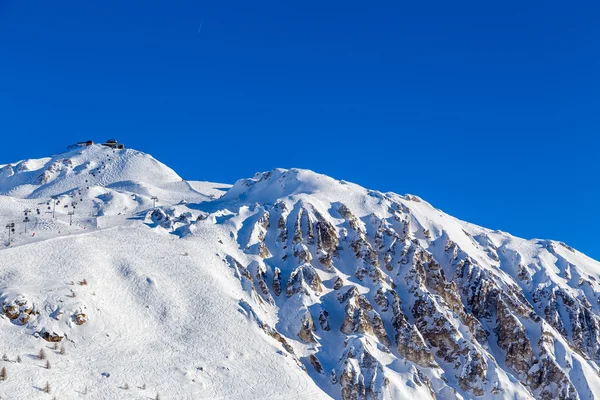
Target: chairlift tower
(26,219)
(11,228)
(154,200)
(71,213)
(54,199)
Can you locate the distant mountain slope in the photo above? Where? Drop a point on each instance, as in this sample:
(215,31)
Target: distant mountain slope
(289,284)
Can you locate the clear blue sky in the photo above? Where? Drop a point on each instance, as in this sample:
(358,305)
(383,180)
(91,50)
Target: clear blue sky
(490,111)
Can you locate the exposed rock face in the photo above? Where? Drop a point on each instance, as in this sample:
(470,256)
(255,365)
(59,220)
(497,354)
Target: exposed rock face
(362,375)
(349,217)
(261,277)
(302,279)
(513,339)
(51,337)
(263,251)
(324,320)
(469,312)
(361,317)
(248,283)
(19,310)
(80,318)
(11,311)
(302,253)
(546,375)
(327,242)
(339,282)
(307,331)
(159,217)
(276,282)
(409,341)
(381,294)
(316,364)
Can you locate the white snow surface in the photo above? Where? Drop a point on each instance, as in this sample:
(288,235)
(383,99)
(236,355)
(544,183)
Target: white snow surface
(170,312)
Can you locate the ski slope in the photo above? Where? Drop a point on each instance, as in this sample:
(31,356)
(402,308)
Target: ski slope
(286,285)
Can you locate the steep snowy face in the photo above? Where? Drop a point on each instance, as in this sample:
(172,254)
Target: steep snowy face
(385,296)
(342,292)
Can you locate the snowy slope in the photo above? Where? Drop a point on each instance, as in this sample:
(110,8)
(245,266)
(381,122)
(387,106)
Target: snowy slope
(289,284)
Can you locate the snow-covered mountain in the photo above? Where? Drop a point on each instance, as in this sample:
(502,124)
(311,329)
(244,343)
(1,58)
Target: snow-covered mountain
(287,285)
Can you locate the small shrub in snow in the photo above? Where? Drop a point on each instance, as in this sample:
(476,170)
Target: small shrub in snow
(4,357)
(42,354)
(19,359)
(47,364)
(3,374)
(63,351)
(47,388)
(126,386)
(83,282)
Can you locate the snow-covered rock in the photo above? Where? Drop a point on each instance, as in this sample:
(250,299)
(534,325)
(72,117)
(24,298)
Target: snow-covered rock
(289,284)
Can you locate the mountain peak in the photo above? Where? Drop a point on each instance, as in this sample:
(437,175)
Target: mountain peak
(82,166)
(280,182)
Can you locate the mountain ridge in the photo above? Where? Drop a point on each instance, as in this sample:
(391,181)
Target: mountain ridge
(351,292)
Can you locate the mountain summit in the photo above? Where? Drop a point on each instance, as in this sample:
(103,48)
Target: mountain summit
(286,285)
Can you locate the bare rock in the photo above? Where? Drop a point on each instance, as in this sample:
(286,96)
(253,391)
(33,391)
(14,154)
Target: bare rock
(314,361)
(51,337)
(324,320)
(276,285)
(307,329)
(362,375)
(302,279)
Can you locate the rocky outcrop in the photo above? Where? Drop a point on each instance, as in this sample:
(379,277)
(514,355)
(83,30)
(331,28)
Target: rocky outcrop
(324,320)
(304,279)
(361,317)
(327,241)
(350,218)
(362,376)
(399,285)
(19,310)
(51,337)
(314,361)
(546,377)
(80,318)
(512,338)
(338,283)
(307,330)
(276,285)
(409,341)
(261,276)
(302,253)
